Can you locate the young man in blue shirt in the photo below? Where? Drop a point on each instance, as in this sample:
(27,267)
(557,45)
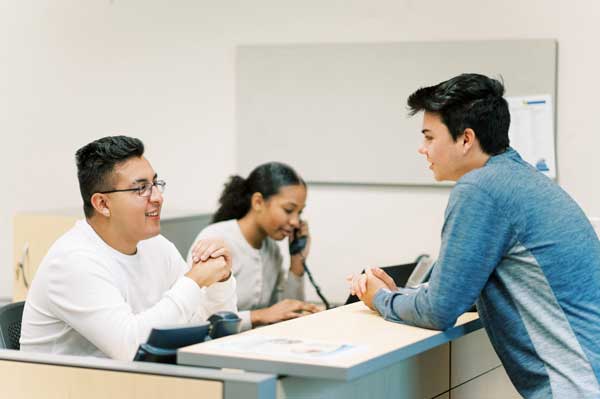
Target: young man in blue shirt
(513,242)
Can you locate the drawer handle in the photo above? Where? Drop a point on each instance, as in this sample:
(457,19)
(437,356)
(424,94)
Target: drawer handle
(21,263)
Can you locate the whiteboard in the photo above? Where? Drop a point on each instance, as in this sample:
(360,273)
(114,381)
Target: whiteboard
(337,112)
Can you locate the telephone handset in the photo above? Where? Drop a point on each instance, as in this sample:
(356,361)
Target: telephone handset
(163,342)
(296,246)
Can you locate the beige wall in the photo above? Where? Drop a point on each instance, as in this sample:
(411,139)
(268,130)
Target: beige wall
(72,71)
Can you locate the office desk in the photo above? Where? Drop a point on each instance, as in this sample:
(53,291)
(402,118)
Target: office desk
(390,359)
(30,376)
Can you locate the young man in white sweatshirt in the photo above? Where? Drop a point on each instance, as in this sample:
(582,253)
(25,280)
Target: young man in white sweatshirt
(110,279)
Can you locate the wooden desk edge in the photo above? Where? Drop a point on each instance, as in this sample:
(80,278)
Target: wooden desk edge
(171,370)
(330,372)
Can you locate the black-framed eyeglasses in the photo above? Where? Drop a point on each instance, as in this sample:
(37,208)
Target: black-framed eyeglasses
(144,190)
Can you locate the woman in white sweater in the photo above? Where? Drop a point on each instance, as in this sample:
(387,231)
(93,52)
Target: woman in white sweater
(254,214)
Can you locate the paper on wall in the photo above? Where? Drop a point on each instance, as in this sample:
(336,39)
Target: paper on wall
(531,131)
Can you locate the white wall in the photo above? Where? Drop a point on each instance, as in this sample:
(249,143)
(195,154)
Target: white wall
(72,71)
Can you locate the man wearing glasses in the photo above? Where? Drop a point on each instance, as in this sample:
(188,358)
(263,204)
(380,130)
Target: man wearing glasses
(110,279)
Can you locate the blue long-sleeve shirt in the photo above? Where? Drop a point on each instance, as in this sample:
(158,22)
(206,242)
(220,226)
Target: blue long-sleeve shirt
(518,246)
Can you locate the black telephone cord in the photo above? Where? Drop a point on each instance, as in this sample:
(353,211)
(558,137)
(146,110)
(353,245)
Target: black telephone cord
(314,284)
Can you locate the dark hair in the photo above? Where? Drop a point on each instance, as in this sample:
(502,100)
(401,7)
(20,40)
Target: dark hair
(266,179)
(468,101)
(96,161)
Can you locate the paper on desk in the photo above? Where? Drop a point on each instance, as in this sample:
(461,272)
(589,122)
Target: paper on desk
(285,347)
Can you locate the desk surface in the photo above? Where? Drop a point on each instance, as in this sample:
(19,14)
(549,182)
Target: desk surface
(378,343)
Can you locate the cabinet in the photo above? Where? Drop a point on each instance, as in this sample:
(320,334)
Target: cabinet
(23,380)
(34,233)
(476,371)
(422,376)
(494,384)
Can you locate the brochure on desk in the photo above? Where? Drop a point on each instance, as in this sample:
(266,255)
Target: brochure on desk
(286,347)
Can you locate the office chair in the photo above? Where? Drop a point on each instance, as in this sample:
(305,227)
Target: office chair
(399,273)
(10,325)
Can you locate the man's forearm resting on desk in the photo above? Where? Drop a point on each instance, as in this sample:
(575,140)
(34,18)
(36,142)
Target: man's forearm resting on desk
(377,291)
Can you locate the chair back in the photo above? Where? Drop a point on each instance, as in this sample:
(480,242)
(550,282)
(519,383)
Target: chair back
(10,325)
(398,273)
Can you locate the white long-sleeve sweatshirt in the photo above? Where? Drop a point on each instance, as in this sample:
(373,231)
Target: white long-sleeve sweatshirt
(89,299)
